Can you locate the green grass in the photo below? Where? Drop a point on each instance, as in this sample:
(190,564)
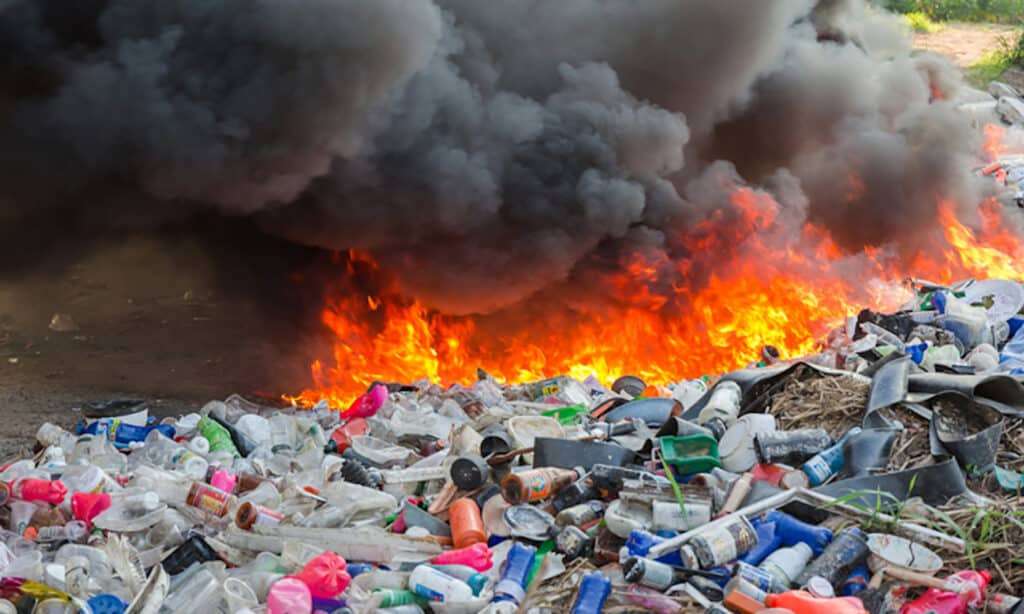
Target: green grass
(919,22)
(994,64)
(989,68)
(991,11)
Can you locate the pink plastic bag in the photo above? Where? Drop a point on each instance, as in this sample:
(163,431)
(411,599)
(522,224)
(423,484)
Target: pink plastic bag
(367,404)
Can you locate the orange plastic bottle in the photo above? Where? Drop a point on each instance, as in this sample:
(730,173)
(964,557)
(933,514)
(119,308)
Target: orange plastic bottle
(466,522)
(802,602)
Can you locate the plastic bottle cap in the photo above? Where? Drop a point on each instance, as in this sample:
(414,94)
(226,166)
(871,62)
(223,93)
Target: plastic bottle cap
(820,587)
(107,604)
(150,501)
(477,582)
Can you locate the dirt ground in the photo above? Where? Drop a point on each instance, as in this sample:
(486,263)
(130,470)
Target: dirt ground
(173,319)
(964,43)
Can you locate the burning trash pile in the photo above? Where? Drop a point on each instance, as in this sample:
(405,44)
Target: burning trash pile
(878,475)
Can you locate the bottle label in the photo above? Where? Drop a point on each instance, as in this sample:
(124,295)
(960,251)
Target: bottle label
(428,593)
(817,470)
(209,500)
(657,575)
(267,517)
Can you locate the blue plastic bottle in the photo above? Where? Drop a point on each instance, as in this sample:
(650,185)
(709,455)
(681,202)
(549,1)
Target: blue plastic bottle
(792,531)
(639,543)
(594,591)
(512,586)
(768,541)
(122,435)
(829,461)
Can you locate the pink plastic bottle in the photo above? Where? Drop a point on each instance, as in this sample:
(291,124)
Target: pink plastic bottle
(30,489)
(325,575)
(368,403)
(477,556)
(289,596)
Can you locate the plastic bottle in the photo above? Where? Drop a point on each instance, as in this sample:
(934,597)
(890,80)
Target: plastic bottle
(218,436)
(966,591)
(848,550)
(512,585)
(790,531)
(802,602)
(163,452)
(249,515)
(466,523)
(434,585)
(767,542)
(209,499)
(73,531)
(828,462)
(651,573)
(581,514)
(325,575)
(535,484)
(791,447)
(289,596)
(194,550)
(53,435)
(30,489)
(639,543)
(759,578)
(478,556)
(785,564)
(725,543)
(594,591)
(368,403)
(724,404)
(689,392)
(476,580)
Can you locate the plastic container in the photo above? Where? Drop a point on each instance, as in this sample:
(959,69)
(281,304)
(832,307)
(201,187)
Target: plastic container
(512,585)
(434,585)
(524,429)
(218,436)
(594,591)
(250,515)
(467,524)
(786,564)
(829,461)
(802,602)
(791,531)
(691,453)
(568,415)
(367,404)
(791,447)
(736,448)
(848,550)
(724,404)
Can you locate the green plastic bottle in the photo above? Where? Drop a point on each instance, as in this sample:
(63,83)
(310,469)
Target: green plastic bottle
(217,435)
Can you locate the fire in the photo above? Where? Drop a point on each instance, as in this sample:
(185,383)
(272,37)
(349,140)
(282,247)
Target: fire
(751,282)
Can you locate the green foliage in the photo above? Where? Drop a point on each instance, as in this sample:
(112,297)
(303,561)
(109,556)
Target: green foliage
(999,11)
(919,22)
(994,64)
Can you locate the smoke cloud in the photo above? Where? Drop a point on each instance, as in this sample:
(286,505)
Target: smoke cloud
(483,152)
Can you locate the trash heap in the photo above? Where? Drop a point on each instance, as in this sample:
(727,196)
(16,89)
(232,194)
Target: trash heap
(1000,107)
(880,475)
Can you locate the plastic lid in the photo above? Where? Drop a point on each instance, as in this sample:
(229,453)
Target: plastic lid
(820,587)
(150,500)
(107,604)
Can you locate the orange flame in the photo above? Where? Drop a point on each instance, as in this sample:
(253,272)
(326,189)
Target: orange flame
(765,287)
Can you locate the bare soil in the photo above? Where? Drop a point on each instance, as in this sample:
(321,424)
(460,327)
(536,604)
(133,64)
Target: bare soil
(171,320)
(964,43)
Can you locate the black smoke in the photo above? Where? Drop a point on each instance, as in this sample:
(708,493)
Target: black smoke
(482,151)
